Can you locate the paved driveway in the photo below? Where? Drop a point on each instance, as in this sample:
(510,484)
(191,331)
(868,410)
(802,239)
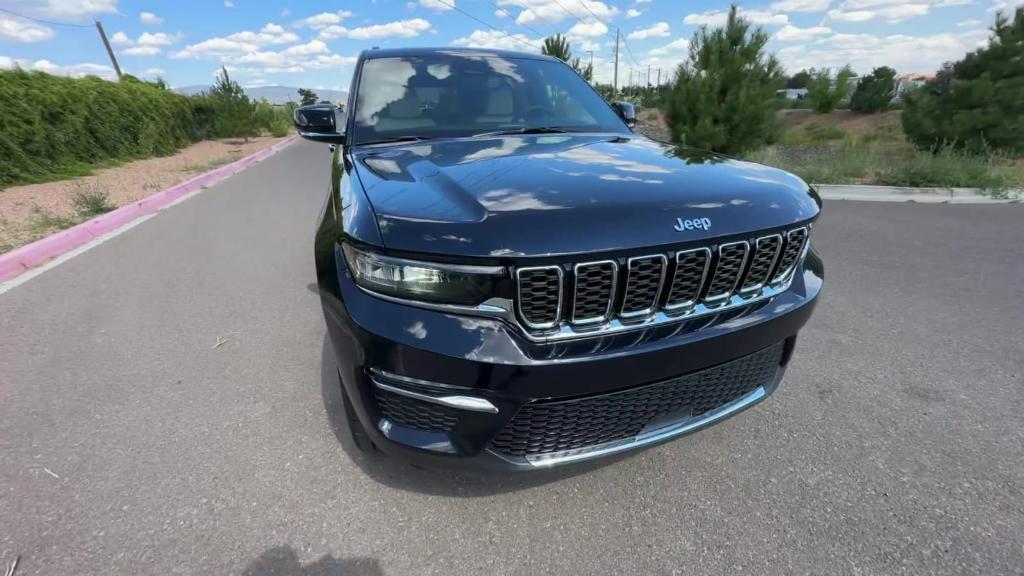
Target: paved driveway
(132,443)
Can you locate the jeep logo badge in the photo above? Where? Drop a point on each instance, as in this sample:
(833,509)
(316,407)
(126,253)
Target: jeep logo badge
(696,223)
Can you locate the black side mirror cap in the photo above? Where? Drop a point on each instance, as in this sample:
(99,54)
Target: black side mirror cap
(318,122)
(626,111)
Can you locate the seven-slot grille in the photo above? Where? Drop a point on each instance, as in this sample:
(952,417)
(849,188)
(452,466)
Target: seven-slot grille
(639,286)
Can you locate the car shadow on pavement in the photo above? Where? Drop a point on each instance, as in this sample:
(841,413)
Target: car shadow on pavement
(405,476)
(283,560)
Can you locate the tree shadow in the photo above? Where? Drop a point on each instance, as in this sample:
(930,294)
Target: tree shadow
(282,560)
(441,482)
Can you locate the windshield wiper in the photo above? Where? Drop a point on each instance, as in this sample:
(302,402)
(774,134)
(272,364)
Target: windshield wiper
(396,139)
(525,130)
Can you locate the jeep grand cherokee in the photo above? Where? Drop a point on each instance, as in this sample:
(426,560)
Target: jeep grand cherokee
(512,278)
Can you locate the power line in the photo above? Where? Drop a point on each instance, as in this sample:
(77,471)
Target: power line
(48,22)
(491,26)
(527,26)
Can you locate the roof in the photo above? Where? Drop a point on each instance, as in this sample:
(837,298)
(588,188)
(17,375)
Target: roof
(425,51)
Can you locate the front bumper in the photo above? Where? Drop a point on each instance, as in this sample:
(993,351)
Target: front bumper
(438,388)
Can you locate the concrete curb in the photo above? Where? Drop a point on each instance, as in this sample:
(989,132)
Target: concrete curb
(922,195)
(41,251)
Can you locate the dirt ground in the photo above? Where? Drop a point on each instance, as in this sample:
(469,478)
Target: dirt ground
(847,121)
(30,212)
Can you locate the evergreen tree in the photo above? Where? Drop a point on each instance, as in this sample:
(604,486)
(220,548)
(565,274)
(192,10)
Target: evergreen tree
(233,112)
(826,92)
(874,92)
(307,97)
(975,103)
(558,47)
(799,80)
(723,97)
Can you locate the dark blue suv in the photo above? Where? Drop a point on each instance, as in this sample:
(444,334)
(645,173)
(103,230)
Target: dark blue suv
(512,278)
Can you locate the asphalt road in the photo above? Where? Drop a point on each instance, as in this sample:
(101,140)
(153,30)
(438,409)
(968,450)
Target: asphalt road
(132,443)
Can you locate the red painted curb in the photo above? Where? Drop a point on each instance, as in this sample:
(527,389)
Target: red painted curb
(39,252)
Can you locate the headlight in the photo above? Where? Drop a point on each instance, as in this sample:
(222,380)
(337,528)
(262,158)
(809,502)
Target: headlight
(424,281)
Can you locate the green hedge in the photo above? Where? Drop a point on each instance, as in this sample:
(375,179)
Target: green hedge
(53,126)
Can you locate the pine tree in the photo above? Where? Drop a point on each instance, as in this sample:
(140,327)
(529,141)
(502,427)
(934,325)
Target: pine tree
(307,96)
(874,92)
(557,46)
(826,92)
(233,112)
(723,97)
(975,103)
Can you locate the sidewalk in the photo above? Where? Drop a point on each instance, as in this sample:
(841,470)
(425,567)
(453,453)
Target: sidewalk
(923,195)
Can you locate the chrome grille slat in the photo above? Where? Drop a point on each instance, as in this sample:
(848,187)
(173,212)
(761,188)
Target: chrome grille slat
(594,291)
(704,280)
(688,279)
(644,278)
(540,296)
(795,240)
(732,257)
(766,253)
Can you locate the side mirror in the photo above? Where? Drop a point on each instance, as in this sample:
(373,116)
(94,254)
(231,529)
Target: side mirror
(317,122)
(626,111)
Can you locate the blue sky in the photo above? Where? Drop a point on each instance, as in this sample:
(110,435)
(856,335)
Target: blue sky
(296,43)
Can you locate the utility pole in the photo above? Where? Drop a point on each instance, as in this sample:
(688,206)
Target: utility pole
(648,76)
(615,87)
(110,51)
(659,77)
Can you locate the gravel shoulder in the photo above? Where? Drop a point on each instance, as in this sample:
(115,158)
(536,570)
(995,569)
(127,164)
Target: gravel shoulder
(33,211)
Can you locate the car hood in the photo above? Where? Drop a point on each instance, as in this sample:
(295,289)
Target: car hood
(567,194)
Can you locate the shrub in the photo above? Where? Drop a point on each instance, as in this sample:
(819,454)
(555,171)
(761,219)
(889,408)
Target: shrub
(875,91)
(57,127)
(723,97)
(89,202)
(234,114)
(825,93)
(975,103)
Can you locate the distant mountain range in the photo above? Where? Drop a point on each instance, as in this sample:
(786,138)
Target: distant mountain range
(276,94)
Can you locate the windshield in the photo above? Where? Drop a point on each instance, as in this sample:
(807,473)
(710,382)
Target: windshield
(454,94)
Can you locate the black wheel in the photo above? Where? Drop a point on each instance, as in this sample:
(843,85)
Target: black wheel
(359,436)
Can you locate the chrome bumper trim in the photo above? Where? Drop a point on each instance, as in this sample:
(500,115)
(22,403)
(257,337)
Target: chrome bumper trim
(470,403)
(644,438)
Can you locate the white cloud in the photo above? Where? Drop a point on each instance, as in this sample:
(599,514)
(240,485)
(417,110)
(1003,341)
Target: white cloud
(437,5)
(150,19)
(158,39)
(229,4)
(715,18)
(633,13)
(892,14)
(658,30)
(549,12)
(23,30)
(969,23)
(399,29)
(75,70)
(497,40)
(312,47)
(141,51)
(324,19)
(75,9)
(867,51)
(501,13)
(790,33)
(152,72)
(676,46)
(801,5)
(239,42)
(120,38)
(586,30)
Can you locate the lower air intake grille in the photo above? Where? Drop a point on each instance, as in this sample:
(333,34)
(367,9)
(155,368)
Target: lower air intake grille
(546,427)
(414,413)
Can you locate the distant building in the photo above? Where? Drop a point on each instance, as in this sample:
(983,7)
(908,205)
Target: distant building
(791,93)
(906,82)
